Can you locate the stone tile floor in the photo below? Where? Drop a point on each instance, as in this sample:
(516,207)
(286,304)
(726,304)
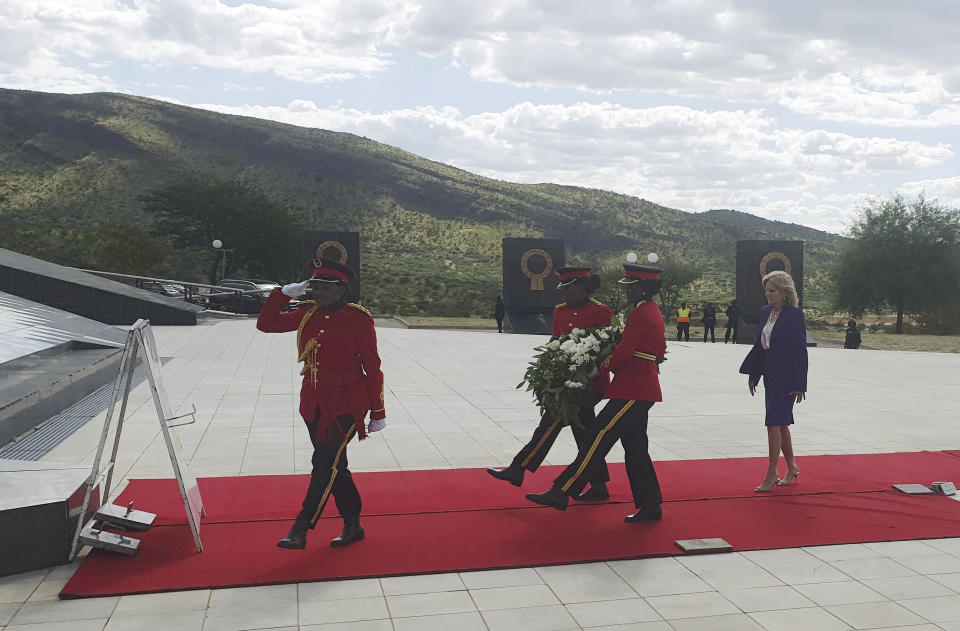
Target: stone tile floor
(451,402)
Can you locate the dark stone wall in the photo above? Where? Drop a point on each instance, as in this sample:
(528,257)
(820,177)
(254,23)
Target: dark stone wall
(88,295)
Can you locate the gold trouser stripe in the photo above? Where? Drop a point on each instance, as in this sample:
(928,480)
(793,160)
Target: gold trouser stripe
(543,439)
(333,474)
(593,447)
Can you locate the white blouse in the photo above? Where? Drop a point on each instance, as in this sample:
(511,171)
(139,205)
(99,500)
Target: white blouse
(765,334)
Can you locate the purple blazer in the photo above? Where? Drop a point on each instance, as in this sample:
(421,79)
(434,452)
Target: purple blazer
(784,366)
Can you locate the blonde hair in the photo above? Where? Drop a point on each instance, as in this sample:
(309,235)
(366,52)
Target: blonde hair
(782,281)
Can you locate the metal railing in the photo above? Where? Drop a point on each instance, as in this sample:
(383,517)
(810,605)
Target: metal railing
(191,290)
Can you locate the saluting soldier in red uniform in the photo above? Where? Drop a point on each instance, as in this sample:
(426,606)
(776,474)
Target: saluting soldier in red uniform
(580,311)
(635,388)
(342,381)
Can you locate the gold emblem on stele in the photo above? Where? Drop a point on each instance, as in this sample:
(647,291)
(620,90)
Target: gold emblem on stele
(336,245)
(780,256)
(536,278)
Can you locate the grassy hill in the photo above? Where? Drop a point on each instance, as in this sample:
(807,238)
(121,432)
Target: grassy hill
(430,233)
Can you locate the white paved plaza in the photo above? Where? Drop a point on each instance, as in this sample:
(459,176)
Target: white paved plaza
(451,403)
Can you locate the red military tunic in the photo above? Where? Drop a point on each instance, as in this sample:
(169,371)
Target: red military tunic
(341,371)
(636,378)
(588,316)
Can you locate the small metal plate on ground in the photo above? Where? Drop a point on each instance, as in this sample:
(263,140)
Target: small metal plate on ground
(913,489)
(944,488)
(125,517)
(109,541)
(703,546)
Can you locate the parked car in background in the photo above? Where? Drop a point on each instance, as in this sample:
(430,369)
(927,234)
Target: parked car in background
(256,292)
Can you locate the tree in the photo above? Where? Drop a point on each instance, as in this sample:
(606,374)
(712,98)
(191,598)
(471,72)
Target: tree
(259,231)
(128,249)
(676,276)
(904,254)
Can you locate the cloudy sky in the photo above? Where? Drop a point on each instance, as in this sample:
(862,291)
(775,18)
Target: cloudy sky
(796,111)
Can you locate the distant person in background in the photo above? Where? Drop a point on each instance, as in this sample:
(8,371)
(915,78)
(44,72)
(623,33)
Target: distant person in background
(733,321)
(780,356)
(683,322)
(499,310)
(709,322)
(580,311)
(852,339)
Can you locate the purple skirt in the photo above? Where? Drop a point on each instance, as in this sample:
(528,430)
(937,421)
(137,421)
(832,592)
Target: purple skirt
(779,405)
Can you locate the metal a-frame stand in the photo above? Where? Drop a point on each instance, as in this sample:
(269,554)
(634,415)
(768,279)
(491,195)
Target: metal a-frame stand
(140,341)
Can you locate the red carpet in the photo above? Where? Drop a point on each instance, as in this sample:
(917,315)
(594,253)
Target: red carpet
(418,521)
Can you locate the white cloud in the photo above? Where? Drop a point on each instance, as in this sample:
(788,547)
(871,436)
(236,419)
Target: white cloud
(946,190)
(821,58)
(45,72)
(676,156)
(316,41)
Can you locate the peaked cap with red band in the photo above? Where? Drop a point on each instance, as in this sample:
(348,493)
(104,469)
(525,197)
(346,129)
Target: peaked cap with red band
(330,271)
(570,275)
(633,272)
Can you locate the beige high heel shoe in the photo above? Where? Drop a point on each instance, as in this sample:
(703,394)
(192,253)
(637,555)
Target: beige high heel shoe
(788,479)
(762,489)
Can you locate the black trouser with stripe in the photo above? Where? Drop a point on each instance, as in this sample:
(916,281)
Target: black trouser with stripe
(533,453)
(330,474)
(625,421)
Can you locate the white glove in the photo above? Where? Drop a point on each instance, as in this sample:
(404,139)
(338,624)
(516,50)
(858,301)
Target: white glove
(295,290)
(594,372)
(375,425)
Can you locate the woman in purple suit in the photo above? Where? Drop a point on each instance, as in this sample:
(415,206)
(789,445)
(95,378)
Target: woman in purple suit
(780,356)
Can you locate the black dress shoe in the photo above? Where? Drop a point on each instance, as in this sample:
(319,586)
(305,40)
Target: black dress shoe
(596,493)
(644,515)
(352,532)
(511,475)
(554,498)
(296,539)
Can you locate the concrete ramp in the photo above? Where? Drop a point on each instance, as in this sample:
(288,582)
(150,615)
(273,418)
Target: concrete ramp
(49,360)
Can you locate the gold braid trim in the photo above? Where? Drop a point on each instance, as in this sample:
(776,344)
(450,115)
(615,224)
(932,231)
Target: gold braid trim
(308,351)
(356,306)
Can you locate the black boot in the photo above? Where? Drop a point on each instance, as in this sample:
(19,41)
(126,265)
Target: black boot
(555,498)
(511,474)
(352,531)
(296,539)
(597,493)
(644,514)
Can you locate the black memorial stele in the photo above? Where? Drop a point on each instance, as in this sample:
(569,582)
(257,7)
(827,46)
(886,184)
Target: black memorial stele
(530,283)
(755,259)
